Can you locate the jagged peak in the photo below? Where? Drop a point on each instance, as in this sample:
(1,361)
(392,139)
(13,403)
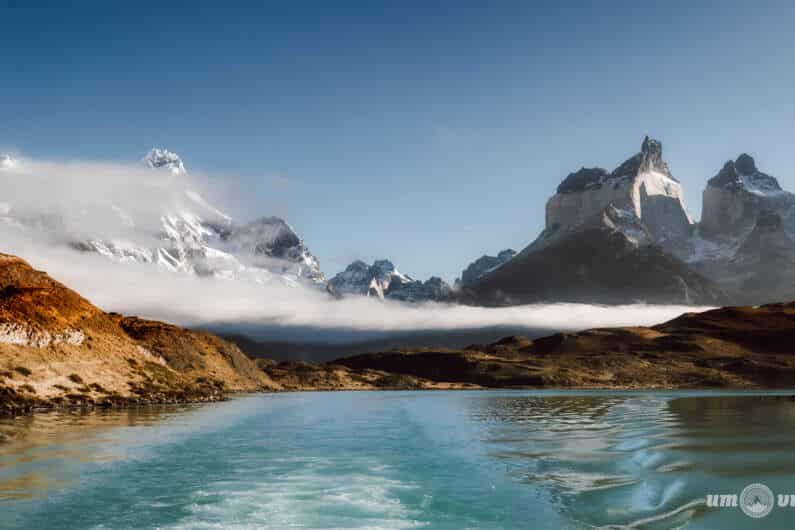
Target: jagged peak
(745,164)
(648,159)
(742,173)
(158,158)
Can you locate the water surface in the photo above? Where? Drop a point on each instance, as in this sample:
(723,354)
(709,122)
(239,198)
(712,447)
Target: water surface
(535,460)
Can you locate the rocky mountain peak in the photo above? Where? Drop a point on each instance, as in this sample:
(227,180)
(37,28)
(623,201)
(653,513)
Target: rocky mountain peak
(726,176)
(642,185)
(742,174)
(158,158)
(267,235)
(745,164)
(651,156)
(273,237)
(383,280)
(649,159)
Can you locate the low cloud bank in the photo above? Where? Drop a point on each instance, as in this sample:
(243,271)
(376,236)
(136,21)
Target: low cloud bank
(151,292)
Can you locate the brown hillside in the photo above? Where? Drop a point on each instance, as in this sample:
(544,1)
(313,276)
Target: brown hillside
(728,347)
(56,348)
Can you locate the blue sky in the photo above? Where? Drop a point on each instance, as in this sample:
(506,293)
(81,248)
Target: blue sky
(429,132)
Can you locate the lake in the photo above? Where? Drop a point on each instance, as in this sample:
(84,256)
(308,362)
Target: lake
(449,460)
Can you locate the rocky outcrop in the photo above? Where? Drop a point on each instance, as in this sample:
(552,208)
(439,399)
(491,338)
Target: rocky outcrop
(643,184)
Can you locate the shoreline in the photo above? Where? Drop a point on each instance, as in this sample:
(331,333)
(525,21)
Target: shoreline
(38,406)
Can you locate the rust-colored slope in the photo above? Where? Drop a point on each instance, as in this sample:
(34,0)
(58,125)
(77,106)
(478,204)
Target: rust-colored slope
(58,348)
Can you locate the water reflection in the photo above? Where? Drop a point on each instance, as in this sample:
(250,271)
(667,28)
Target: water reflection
(644,461)
(41,452)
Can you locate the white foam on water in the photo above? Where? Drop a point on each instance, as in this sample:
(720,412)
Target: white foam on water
(318,493)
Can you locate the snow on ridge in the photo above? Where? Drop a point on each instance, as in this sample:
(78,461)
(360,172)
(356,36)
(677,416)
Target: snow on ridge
(759,186)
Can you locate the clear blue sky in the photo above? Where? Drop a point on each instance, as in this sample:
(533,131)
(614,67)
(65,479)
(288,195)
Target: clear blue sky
(429,135)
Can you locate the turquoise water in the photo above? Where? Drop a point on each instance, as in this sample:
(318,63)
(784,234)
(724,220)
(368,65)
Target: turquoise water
(535,460)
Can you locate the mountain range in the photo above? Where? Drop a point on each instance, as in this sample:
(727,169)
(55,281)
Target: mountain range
(625,236)
(611,236)
(188,236)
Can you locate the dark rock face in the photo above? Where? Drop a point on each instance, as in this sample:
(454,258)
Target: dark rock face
(583,179)
(745,164)
(726,176)
(761,270)
(768,220)
(649,159)
(594,265)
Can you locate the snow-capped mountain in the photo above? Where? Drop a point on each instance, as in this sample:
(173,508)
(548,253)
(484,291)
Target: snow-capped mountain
(188,235)
(383,280)
(163,158)
(271,243)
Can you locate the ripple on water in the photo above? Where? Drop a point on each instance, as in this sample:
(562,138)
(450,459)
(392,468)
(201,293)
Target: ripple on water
(640,461)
